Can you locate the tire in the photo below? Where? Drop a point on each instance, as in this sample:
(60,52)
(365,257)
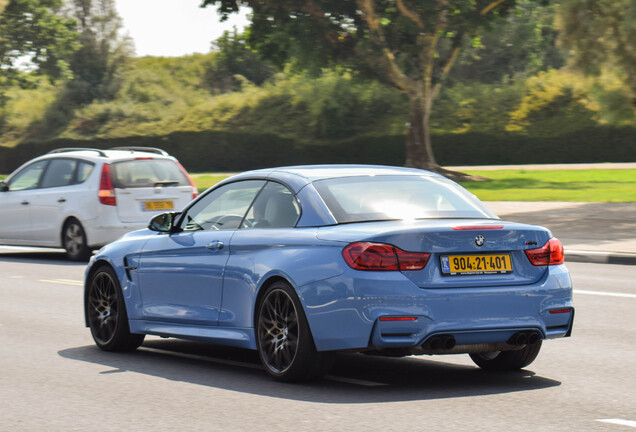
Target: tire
(106,313)
(74,241)
(507,360)
(285,344)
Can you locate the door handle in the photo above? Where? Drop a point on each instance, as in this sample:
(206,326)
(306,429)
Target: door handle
(62,200)
(215,245)
(24,202)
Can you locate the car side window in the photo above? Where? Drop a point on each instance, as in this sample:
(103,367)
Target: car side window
(275,207)
(60,172)
(85,169)
(28,177)
(223,208)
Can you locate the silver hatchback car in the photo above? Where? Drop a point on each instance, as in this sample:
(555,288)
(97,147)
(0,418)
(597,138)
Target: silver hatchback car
(81,199)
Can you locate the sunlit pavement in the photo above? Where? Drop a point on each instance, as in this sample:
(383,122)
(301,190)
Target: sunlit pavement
(55,379)
(590,232)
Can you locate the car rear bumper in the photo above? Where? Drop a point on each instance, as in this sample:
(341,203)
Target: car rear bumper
(350,319)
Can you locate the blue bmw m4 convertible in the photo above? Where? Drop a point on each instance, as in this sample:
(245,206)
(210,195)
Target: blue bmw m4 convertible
(300,262)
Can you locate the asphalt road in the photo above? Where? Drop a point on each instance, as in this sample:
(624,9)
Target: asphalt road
(52,377)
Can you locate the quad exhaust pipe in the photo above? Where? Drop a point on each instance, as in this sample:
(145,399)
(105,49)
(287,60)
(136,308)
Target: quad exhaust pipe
(446,344)
(440,342)
(527,337)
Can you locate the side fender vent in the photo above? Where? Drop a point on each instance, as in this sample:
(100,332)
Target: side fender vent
(128,268)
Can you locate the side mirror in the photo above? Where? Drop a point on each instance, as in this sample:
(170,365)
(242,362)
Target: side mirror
(3,186)
(163,222)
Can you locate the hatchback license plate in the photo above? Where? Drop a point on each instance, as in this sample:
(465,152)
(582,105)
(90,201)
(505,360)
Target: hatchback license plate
(454,265)
(157,205)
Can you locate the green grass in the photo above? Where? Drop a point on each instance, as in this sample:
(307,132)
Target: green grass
(206,180)
(520,185)
(563,185)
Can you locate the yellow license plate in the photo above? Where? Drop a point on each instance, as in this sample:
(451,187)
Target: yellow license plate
(157,205)
(454,265)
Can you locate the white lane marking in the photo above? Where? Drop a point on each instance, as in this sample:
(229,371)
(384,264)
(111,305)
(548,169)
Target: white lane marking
(16,277)
(621,422)
(607,294)
(12,249)
(355,381)
(63,281)
(15,248)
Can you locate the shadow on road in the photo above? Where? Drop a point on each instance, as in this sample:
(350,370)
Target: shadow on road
(354,378)
(56,258)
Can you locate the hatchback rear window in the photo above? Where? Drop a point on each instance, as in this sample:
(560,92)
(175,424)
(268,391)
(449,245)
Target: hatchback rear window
(374,198)
(147,173)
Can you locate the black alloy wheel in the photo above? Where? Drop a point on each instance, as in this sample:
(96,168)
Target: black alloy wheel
(106,313)
(74,241)
(285,343)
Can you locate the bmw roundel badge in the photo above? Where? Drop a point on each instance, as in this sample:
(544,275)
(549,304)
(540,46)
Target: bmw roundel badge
(480,240)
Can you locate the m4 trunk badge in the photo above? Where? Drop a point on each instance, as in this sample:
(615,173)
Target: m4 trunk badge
(480,240)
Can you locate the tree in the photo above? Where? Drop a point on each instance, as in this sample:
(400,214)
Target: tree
(601,34)
(523,44)
(233,57)
(34,37)
(409,44)
(102,53)
(34,40)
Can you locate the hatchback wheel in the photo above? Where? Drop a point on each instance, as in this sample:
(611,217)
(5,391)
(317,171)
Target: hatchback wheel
(74,241)
(285,343)
(507,360)
(106,313)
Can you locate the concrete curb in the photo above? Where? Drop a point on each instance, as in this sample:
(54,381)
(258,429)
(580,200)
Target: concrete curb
(600,257)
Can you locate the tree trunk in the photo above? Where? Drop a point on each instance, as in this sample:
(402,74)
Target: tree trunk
(419,150)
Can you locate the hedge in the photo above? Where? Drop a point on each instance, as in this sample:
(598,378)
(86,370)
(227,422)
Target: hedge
(227,151)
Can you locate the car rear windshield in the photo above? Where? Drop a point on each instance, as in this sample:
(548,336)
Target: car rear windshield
(147,173)
(391,197)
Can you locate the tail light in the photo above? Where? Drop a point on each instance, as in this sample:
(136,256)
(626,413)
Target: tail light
(550,253)
(381,256)
(195,191)
(106,191)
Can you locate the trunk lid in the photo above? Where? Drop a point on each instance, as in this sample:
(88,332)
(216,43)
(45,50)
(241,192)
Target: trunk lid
(147,186)
(141,204)
(447,239)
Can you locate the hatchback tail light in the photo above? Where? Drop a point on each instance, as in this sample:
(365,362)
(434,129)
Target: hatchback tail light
(106,190)
(381,256)
(195,191)
(550,253)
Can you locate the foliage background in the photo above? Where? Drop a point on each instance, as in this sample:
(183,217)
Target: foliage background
(512,99)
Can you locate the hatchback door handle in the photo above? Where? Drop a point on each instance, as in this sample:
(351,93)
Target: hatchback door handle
(62,200)
(24,203)
(215,245)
